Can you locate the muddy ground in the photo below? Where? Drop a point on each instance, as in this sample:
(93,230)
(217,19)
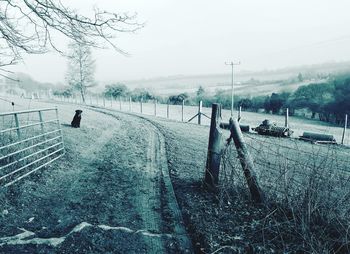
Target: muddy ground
(97,200)
(107,195)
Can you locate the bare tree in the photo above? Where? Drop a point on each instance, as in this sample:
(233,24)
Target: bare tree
(81,68)
(28,26)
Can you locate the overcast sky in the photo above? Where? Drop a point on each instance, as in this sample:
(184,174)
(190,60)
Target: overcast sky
(198,36)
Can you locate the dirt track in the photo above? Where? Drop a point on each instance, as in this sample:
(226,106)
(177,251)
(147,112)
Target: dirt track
(110,194)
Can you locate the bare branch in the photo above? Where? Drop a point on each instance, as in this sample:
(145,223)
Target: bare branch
(27,26)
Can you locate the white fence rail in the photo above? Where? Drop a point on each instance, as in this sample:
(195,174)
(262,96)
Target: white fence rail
(28,143)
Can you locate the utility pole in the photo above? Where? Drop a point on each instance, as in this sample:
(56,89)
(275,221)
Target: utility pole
(232,83)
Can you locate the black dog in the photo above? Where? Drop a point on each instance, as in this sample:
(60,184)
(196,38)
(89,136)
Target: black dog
(76,119)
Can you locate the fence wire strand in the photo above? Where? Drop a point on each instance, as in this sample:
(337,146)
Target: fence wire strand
(293,172)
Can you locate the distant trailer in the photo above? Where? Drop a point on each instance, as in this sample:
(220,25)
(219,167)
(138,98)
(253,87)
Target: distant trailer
(318,138)
(269,129)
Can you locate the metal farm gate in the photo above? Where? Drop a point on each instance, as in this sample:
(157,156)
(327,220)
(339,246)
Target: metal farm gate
(28,143)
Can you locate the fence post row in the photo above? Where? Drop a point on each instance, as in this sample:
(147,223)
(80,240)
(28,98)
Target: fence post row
(214,148)
(246,161)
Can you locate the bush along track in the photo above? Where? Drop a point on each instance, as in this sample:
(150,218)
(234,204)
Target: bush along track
(111,194)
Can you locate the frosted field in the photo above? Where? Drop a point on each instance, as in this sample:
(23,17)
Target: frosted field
(297,124)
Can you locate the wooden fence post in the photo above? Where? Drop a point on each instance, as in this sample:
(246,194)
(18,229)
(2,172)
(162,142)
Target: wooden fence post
(130,104)
(155,107)
(167,110)
(182,110)
(286,122)
(111,101)
(214,148)
(120,103)
(200,113)
(239,113)
(344,130)
(104,102)
(246,162)
(41,121)
(141,105)
(17,126)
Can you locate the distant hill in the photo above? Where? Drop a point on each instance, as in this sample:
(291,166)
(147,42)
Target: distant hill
(27,83)
(243,79)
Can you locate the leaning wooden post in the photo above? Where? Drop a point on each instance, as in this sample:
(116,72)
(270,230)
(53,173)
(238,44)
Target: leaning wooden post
(286,122)
(246,162)
(155,107)
(214,149)
(344,130)
(130,104)
(182,110)
(200,112)
(104,102)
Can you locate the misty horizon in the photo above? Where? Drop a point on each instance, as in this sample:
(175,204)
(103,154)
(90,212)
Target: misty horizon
(196,38)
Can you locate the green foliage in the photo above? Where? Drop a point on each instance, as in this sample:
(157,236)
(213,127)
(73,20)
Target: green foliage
(177,99)
(116,90)
(200,94)
(65,92)
(142,94)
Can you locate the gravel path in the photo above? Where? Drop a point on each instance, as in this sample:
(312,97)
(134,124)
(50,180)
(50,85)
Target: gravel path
(110,194)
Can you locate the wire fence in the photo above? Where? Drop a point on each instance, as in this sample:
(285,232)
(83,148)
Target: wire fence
(307,177)
(199,114)
(29,141)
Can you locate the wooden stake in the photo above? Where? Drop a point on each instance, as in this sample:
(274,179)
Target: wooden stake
(182,110)
(141,105)
(200,113)
(167,110)
(286,122)
(246,162)
(214,149)
(344,130)
(17,126)
(155,107)
(239,113)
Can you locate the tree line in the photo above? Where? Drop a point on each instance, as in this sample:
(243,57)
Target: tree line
(328,101)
